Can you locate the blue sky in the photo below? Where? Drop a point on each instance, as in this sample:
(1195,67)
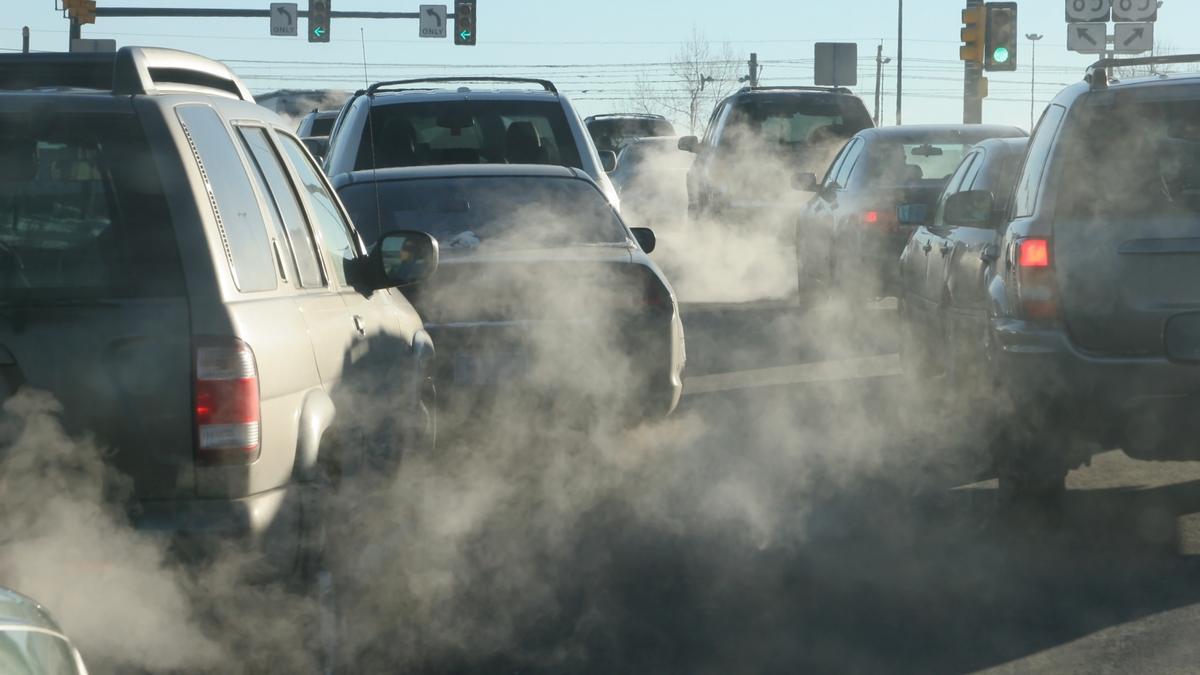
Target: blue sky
(597,51)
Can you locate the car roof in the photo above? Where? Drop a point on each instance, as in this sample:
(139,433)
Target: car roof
(460,171)
(922,133)
(1005,145)
(461,94)
(19,610)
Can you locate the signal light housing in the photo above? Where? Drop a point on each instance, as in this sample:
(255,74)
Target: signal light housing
(1000,42)
(464,22)
(318,20)
(973,19)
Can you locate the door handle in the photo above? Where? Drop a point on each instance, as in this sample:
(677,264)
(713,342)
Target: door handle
(360,325)
(945,249)
(927,247)
(989,253)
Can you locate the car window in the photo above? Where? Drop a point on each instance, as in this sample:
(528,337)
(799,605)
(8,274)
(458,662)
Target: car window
(847,168)
(1026,192)
(322,125)
(468,132)
(232,198)
(792,121)
(278,188)
(335,232)
(501,212)
(836,166)
(713,122)
(35,653)
(915,162)
(82,210)
(954,185)
(1153,145)
(979,161)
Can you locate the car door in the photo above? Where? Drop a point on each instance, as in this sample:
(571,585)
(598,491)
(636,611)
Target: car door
(378,369)
(933,245)
(943,236)
(699,177)
(807,247)
(832,208)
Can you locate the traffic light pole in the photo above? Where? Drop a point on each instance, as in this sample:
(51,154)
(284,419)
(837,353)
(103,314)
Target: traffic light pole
(973,85)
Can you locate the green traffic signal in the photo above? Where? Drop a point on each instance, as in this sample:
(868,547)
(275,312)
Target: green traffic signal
(1000,55)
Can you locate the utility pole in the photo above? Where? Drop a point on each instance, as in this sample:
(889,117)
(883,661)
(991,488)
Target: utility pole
(973,82)
(900,64)
(879,62)
(75,32)
(1033,37)
(25,40)
(753,69)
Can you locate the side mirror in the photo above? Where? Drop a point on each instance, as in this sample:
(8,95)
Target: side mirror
(317,145)
(689,144)
(805,182)
(403,258)
(912,214)
(645,238)
(608,161)
(973,208)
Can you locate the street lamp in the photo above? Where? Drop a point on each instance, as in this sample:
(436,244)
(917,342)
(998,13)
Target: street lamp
(1033,37)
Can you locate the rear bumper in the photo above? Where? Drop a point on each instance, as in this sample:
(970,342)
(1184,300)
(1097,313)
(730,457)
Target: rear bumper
(268,523)
(1146,406)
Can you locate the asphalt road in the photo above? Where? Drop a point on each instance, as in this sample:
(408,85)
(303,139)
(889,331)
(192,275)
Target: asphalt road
(819,524)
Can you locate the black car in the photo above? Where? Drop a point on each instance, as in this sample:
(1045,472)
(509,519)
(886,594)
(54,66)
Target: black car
(614,131)
(543,295)
(758,138)
(848,236)
(945,268)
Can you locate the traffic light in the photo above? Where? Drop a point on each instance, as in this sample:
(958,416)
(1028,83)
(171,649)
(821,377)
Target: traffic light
(1000,46)
(83,11)
(318,20)
(464,22)
(972,35)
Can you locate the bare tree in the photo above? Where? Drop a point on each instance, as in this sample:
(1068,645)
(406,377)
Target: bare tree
(1159,49)
(701,76)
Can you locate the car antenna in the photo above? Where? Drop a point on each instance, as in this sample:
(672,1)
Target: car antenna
(371,125)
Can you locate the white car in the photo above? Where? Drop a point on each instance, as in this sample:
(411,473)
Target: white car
(31,642)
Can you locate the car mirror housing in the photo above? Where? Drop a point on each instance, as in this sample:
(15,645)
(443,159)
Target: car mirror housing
(608,161)
(645,238)
(689,144)
(403,258)
(972,208)
(805,182)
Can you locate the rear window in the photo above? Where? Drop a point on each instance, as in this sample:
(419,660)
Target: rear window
(797,120)
(1149,150)
(914,163)
(82,210)
(321,126)
(617,133)
(474,212)
(468,132)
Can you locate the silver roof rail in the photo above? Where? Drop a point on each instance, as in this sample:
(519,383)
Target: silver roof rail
(1099,72)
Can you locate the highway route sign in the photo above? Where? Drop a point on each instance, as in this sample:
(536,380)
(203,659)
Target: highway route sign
(1133,38)
(1134,10)
(1087,38)
(1087,11)
(433,21)
(283,19)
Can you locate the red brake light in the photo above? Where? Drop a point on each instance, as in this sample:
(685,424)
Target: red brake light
(1034,253)
(882,220)
(227,413)
(871,217)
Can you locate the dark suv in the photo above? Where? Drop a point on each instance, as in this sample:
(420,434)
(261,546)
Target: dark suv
(615,131)
(180,276)
(1094,298)
(758,138)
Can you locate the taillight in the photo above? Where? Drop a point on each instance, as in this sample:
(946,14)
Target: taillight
(884,220)
(226,411)
(1035,279)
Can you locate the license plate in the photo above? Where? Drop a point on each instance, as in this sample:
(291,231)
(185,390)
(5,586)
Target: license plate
(491,368)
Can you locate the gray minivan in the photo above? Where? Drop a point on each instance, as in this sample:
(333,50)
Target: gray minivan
(178,273)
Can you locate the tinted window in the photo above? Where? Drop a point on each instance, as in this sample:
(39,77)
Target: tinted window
(1026,191)
(287,209)
(339,250)
(82,211)
(1153,146)
(856,149)
(617,133)
(504,211)
(468,132)
(915,163)
(798,120)
(969,164)
(232,198)
(979,160)
(322,125)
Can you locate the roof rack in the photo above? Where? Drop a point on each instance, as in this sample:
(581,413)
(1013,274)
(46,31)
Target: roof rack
(1098,73)
(130,71)
(831,90)
(640,116)
(381,86)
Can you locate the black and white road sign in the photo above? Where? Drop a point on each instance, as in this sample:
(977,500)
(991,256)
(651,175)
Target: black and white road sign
(1083,11)
(1134,10)
(283,19)
(1087,38)
(1133,38)
(433,21)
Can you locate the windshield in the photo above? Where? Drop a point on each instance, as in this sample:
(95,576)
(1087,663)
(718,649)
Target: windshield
(796,121)
(468,132)
(82,213)
(478,212)
(914,162)
(617,133)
